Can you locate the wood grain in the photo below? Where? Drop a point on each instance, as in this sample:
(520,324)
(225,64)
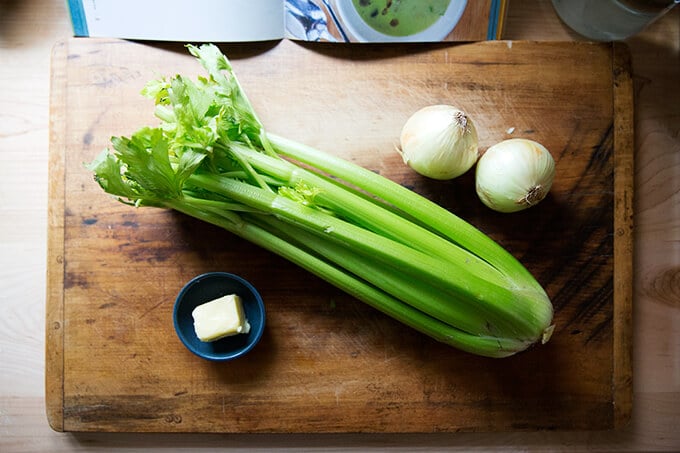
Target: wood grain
(328,363)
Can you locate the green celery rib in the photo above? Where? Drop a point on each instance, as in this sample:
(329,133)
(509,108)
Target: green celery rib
(427,212)
(224,207)
(391,280)
(504,308)
(484,345)
(367,214)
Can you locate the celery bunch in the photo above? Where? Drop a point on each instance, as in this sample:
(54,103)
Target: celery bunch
(212,159)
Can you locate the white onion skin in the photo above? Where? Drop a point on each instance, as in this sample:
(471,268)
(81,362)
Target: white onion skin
(514,175)
(439,142)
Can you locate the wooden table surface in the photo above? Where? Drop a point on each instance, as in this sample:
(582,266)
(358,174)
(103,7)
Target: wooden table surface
(28,30)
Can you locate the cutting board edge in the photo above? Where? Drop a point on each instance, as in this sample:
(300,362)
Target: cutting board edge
(54,306)
(622,387)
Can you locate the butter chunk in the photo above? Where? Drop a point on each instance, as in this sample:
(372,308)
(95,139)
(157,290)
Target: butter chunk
(220,318)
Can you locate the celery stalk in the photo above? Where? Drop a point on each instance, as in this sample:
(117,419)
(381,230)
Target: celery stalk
(212,159)
(503,307)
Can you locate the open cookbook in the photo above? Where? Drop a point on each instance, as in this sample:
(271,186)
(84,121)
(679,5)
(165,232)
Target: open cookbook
(306,20)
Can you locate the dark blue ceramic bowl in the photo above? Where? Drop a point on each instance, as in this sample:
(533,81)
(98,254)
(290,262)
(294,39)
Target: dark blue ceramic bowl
(210,286)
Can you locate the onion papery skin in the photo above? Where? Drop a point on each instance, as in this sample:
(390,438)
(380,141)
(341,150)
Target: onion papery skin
(514,175)
(439,142)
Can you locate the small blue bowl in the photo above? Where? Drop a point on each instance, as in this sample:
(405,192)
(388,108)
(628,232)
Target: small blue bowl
(210,286)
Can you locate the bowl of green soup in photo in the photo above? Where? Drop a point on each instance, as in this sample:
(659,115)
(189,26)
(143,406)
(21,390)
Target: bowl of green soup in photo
(400,20)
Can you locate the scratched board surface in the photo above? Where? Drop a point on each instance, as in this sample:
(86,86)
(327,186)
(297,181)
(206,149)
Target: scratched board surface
(326,362)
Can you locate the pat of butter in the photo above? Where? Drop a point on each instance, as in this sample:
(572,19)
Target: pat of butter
(220,318)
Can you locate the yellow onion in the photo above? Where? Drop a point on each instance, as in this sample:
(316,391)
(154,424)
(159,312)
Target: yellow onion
(439,142)
(514,174)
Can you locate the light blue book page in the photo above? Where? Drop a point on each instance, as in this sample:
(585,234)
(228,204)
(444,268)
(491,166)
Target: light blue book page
(179,20)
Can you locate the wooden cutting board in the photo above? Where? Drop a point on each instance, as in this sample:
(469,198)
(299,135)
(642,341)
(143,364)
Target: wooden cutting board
(328,363)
